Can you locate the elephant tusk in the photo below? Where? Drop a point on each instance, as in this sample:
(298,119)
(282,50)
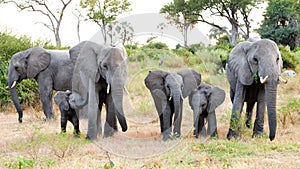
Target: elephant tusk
(14,84)
(263,80)
(126,90)
(282,80)
(108,88)
(170,98)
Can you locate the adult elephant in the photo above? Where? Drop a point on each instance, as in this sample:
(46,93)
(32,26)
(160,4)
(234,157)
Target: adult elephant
(253,71)
(168,90)
(99,77)
(52,69)
(203,101)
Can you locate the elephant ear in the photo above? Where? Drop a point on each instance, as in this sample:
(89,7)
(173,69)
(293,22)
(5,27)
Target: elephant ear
(238,63)
(215,98)
(191,79)
(155,80)
(38,60)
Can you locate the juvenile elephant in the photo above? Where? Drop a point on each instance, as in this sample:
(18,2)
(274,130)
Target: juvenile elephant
(99,77)
(168,90)
(203,101)
(52,69)
(253,70)
(68,113)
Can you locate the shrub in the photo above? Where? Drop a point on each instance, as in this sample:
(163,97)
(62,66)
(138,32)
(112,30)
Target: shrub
(289,59)
(156,45)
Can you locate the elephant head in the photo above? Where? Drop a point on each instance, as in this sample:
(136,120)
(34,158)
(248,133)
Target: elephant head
(97,64)
(168,90)
(23,65)
(257,62)
(204,100)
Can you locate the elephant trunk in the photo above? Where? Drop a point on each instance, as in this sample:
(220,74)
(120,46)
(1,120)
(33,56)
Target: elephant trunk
(177,111)
(13,77)
(196,122)
(271,93)
(14,96)
(117,96)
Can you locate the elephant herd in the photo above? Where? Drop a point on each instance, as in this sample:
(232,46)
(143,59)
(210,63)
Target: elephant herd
(90,75)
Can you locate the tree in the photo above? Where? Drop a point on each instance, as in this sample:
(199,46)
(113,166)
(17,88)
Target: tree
(178,13)
(231,10)
(124,31)
(104,12)
(281,22)
(44,7)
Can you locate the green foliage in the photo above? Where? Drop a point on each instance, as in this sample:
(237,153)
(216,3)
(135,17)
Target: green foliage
(289,111)
(281,22)
(21,162)
(288,57)
(156,45)
(104,12)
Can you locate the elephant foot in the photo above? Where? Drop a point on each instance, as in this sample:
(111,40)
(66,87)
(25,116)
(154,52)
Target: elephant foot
(258,134)
(231,133)
(248,124)
(176,135)
(76,133)
(20,120)
(108,130)
(89,138)
(166,137)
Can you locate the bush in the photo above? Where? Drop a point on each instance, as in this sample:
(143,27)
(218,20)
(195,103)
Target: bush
(289,58)
(156,45)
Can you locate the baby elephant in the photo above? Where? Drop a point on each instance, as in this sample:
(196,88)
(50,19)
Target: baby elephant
(67,112)
(204,100)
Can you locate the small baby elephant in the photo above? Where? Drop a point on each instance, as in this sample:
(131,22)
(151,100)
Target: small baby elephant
(67,112)
(203,101)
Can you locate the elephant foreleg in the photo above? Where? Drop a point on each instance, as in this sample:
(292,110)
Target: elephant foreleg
(110,125)
(75,121)
(235,121)
(167,123)
(260,114)
(63,121)
(212,124)
(93,114)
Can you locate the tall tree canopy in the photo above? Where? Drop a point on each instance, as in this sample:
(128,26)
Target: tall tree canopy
(178,13)
(53,13)
(236,12)
(104,12)
(281,22)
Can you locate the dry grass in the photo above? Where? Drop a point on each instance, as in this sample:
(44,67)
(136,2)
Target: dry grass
(38,144)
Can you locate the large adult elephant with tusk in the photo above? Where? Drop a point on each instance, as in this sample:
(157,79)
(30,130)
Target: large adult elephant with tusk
(52,69)
(99,77)
(253,70)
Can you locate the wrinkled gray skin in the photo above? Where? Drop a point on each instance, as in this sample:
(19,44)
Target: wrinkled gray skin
(68,113)
(96,68)
(247,62)
(168,90)
(203,101)
(52,69)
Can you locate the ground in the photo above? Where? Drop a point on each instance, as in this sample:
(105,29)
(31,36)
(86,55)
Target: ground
(39,144)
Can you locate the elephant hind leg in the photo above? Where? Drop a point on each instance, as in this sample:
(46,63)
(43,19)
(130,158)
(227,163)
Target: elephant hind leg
(249,112)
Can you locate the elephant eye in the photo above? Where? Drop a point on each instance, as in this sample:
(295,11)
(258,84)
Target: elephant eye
(105,65)
(255,60)
(277,60)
